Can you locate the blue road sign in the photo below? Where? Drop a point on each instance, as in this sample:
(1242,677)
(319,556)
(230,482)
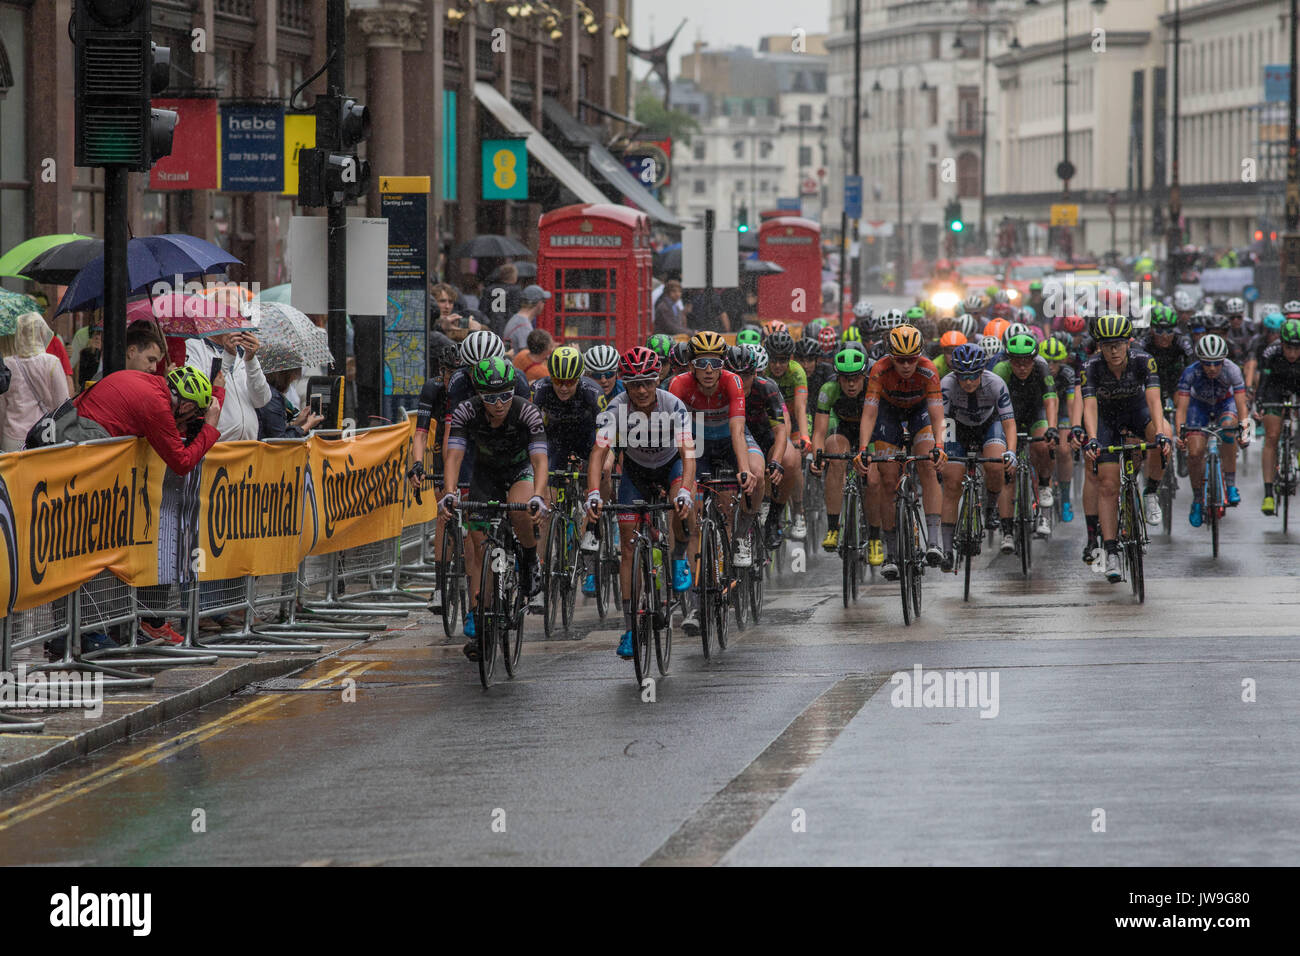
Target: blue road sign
(853,196)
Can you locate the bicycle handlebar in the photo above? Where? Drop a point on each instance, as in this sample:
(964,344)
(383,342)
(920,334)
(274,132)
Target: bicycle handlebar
(492,506)
(640,507)
(973,460)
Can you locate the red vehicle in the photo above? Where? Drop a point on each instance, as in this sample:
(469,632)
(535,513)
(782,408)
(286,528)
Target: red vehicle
(595,261)
(1020,272)
(976,273)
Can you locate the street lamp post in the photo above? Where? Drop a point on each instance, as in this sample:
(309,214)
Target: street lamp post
(1174,232)
(1291,238)
(904,252)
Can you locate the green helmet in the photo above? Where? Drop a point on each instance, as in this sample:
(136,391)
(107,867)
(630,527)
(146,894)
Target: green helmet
(1163,317)
(1291,331)
(1053,350)
(1036,285)
(1113,326)
(914,313)
(851,334)
(660,344)
(749,336)
(1022,344)
(850,362)
(493,375)
(191,384)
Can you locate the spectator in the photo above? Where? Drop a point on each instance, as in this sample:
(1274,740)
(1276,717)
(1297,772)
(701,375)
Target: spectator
(88,358)
(241,374)
(37,383)
(707,312)
(159,409)
(278,418)
(668,318)
(520,325)
(502,298)
(469,295)
(449,321)
(145,346)
(532,360)
(60,352)
(4,376)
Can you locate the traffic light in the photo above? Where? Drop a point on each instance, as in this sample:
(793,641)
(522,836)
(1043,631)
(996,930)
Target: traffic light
(117,70)
(952,215)
(742,219)
(332,174)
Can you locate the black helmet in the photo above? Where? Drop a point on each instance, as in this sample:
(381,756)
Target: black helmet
(739,359)
(779,345)
(679,356)
(807,347)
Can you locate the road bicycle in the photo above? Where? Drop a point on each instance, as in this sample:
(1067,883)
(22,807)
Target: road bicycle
(716,586)
(1132,535)
(652,597)
(1215,494)
(969,533)
(499,617)
(909,526)
(1168,489)
(1027,510)
(853,538)
(561,564)
(814,511)
(1285,485)
(450,576)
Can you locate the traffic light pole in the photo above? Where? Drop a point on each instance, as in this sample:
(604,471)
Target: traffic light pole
(115,274)
(1291,240)
(336,236)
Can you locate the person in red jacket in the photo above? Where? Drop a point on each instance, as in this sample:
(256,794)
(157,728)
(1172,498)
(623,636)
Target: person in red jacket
(159,409)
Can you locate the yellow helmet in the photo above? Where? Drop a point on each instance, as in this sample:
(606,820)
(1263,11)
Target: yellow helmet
(708,343)
(904,341)
(565,363)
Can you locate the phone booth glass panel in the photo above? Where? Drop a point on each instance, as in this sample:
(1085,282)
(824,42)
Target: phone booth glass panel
(794,244)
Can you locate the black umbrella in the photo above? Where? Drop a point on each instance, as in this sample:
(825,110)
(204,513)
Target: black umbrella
(60,265)
(526,270)
(748,241)
(670,260)
(491,247)
(761,267)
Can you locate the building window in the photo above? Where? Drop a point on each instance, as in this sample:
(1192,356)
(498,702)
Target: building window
(697,149)
(805,156)
(762,185)
(700,186)
(805,112)
(738,149)
(740,186)
(968,176)
(932,181)
(968,109)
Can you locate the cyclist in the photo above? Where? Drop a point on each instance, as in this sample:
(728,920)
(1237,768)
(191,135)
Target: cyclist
(977,408)
(1279,372)
(768,420)
(1069,411)
(478,346)
(1269,333)
(1121,392)
(570,405)
(863,313)
(661,345)
(1184,304)
(829,341)
(967,326)
(1211,390)
(977,304)
(1240,329)
(749,335)
(657,461)
(601,363)
(1080,345)
(679,361)
(835,431)
(1172,352)
(1033,399)
(718,398)
(903,390)
(510,465)
(792,380)
(433,410)
(948,343)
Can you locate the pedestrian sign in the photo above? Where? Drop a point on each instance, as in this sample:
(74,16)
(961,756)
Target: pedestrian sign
(1065,214)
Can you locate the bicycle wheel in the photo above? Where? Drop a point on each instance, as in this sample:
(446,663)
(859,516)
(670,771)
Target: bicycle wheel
(738,587)
(611,558)
(727,585)
(1024,518)
(706,584)
(1213,494)
(643,608)
(1166,495)
(849,548)
(664,600)
(553,573)
(485,621)
(1285,475)
(571,574)
(903,555)
(451,578)
(756,583)
(918,570)
(511,627)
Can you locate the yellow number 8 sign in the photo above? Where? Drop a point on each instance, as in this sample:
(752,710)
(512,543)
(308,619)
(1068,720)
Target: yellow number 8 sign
(505,169)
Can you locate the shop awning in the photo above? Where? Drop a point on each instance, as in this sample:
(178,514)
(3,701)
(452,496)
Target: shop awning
(603,162)
(546,154)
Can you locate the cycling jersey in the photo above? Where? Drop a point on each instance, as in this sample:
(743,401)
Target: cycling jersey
(764,410)
(1029,394)
(726,402)
(991,400)
(941,366)
(650,440)
(1258,343)
(832,401)
(1170,360)
(570,425)
(1067,380)
(822,373)
(792,383)
(1211,391)
(1140,373)
(1238,339)
(1278,377)
(504,448)
(433,405)
(877,352)
(885,383)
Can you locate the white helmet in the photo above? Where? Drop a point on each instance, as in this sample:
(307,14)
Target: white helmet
(481,345)
(967,325)
(1234,306)
(1211,348)
(601,358)
(891,319)
(863,310)
(760,358)
(991,345)
(1014,329)
(1183,301)
(1290,307)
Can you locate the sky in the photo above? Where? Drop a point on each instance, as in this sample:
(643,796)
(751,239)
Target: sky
(720,23)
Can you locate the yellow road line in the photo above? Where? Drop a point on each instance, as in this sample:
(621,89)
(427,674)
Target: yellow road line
(152,754)
(38,736)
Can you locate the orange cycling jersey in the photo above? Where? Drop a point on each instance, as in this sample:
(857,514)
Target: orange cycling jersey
(885,382)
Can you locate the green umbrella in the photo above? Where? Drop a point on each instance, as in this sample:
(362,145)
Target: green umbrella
(13,261)
(12,305)
(277,293)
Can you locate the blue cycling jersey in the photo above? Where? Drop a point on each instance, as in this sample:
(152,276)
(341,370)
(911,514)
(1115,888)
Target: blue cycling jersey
(1211,391)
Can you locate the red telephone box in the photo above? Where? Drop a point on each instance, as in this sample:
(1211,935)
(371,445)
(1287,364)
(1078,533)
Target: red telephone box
(795,244)
(595,260)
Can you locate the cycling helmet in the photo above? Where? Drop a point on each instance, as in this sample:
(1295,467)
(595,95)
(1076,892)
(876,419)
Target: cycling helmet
(1291,307)
(772,326)
(1053,350)
(863,309)
(1028,315)
(991,291)
(905,341)
(1234,306)
(481,345)
(446,358)
(1183,301)
(850,362)
(1216,322)
(914,314)
(996,328)
(749,336)
(967,325)
(891,319)
(1014,329)
(660,344)
(191,384)
(951,340)
(1163,318)
(493,375)
(760,358)
(637,364)
(976,303)
(1003,311)
(565,363)
(1001,298)
(827,339)
(1022,344)
(708,343)
(1291,332)
(1112,327)
(851,334)
(812,328)
(991,344)
(1274,321)
(779,345)
(601,358)
(1212,348)
(967,359)
(807,347)
(1065,338)
(1074,324)
(680,355)
(740,358)
(1036,285)
(860,346)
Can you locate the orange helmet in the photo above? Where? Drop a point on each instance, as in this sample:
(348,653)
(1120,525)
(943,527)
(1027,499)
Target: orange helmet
(996,328)
(952,339)
(774,325)
(905,341)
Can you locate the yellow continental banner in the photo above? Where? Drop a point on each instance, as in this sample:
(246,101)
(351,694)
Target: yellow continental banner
(70,513)
(251,509)
(358,487)
(428,509)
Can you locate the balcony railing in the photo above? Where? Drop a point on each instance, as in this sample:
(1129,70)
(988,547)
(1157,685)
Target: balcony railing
(236,8)
(294,15)
(959,130)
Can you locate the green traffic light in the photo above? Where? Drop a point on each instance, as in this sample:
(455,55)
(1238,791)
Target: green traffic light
(742,228)
(957,225)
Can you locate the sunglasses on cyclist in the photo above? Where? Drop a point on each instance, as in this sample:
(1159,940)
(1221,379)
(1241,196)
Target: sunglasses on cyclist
(498,398)
(603,374)
(707,362)
(969,376)
(1209,364)
(565,382)
(641,382)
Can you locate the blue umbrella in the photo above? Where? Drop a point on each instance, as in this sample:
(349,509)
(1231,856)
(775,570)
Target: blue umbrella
(149,260)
